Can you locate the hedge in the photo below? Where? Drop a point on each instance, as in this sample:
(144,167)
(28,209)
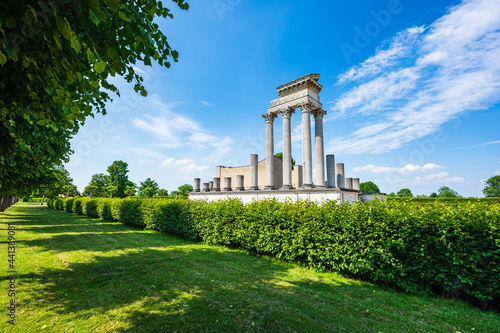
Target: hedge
(445,248)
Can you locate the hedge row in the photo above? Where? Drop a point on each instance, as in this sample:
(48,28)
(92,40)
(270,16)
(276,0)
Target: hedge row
(439,248)
(491,200)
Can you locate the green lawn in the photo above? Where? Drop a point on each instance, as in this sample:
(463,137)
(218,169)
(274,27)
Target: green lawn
(81,275)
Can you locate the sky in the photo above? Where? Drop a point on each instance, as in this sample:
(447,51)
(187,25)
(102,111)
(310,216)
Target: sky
(411,90)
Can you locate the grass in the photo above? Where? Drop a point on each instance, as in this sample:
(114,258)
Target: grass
(76,274)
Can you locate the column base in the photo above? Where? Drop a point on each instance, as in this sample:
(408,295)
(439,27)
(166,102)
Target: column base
(286,187)
(239,189)
(253,188)
(269,188)
(307,186)
(216,190)
(321,186)
(226,189)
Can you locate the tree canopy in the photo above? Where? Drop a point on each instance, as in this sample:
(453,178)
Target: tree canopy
(56,57)
(405,193)
(369,187)
(446,192)
(118,176)
(148,188)
(492,188)
(185,189)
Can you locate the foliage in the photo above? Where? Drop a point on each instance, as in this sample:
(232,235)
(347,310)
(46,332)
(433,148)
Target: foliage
(162,192)
(433,195)
(111,189)
(89,208)
(405,193)
(130,190)
(446,192)
(148,188)
(280,156)
(97,186)
(369,187)
(104,209)
(448,246)
(127,211)
(117,176)
(392,195)
(78,205)
(56,57)
(492,188)
(185,189)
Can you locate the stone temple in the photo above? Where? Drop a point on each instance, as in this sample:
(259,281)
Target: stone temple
(273,177)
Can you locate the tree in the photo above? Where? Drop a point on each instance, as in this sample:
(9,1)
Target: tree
(392,195)
(90,189)
(56,57)
(280,156)
(162,192)
(148,188)
(446,192)
(118,177)
(111,190)
(405,193)
(70,190)
(369,187)
(433,195)
(130,190)
(97,184)
(492,188)
(185,189)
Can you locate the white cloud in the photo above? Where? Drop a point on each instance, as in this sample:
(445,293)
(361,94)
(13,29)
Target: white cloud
(424,79)
(205,103)
(186,165)
(409,168)
(147,152)
(173,130)
(435,178)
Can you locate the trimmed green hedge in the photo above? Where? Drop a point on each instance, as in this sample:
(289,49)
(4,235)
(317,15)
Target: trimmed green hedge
(446,248)
(491,200)
(89,208)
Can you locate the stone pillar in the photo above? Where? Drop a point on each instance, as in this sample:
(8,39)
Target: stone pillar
(206,187)
(216,184)
(355,184)
(211,185)
(197,182)
(319,147)
(306,145)
(348,183)
(340,175)
(330,170)
(227,184)
(287,149)
(240,181)
(254,172)
(269,150)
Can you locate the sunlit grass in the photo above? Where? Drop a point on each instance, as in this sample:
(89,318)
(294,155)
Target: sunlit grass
(82,275)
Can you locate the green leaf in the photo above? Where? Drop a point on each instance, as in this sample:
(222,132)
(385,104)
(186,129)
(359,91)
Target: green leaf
(10,22)
(99,66)
(3,59)
(123,16)
(75,44)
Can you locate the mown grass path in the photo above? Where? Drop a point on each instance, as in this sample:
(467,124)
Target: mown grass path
(81,275)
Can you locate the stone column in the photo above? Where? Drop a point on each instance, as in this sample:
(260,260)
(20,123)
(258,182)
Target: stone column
(216,184)
(211,185)
(287,149)
(355,184)
(240,183)
(227,184)
(348,183)
(319,147)
(330,170)
(206,187)
(340,175)
(254,172)
(269,150)
(197,182)
(306,145)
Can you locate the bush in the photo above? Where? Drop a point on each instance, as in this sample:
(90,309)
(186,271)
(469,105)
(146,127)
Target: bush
(78,205)
(170,216)
(127,211)
(104,209)
(68,204)
(89,208)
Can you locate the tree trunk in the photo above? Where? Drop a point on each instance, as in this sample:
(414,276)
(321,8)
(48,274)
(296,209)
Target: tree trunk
(43,199)
(6,202)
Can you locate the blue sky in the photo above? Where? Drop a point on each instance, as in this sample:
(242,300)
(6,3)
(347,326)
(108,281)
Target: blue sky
(412,91)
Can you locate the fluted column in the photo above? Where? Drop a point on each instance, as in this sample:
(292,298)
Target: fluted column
(269,150)
(287,148)
(306,145)
(319,147)
(254,172)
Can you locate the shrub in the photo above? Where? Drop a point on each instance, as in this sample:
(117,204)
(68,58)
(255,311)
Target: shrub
(127,211)
(104,209)
(170,216)
(68,204)
(89,208)
(78,205)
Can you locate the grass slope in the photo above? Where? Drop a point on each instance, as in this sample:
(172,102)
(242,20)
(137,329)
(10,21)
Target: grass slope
(83,275)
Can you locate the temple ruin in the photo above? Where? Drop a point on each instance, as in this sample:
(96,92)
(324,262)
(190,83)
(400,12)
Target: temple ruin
(277,178)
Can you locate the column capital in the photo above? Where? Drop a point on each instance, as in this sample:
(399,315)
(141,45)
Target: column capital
(319,113)
(287,113)
(269,117)
(306,107)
